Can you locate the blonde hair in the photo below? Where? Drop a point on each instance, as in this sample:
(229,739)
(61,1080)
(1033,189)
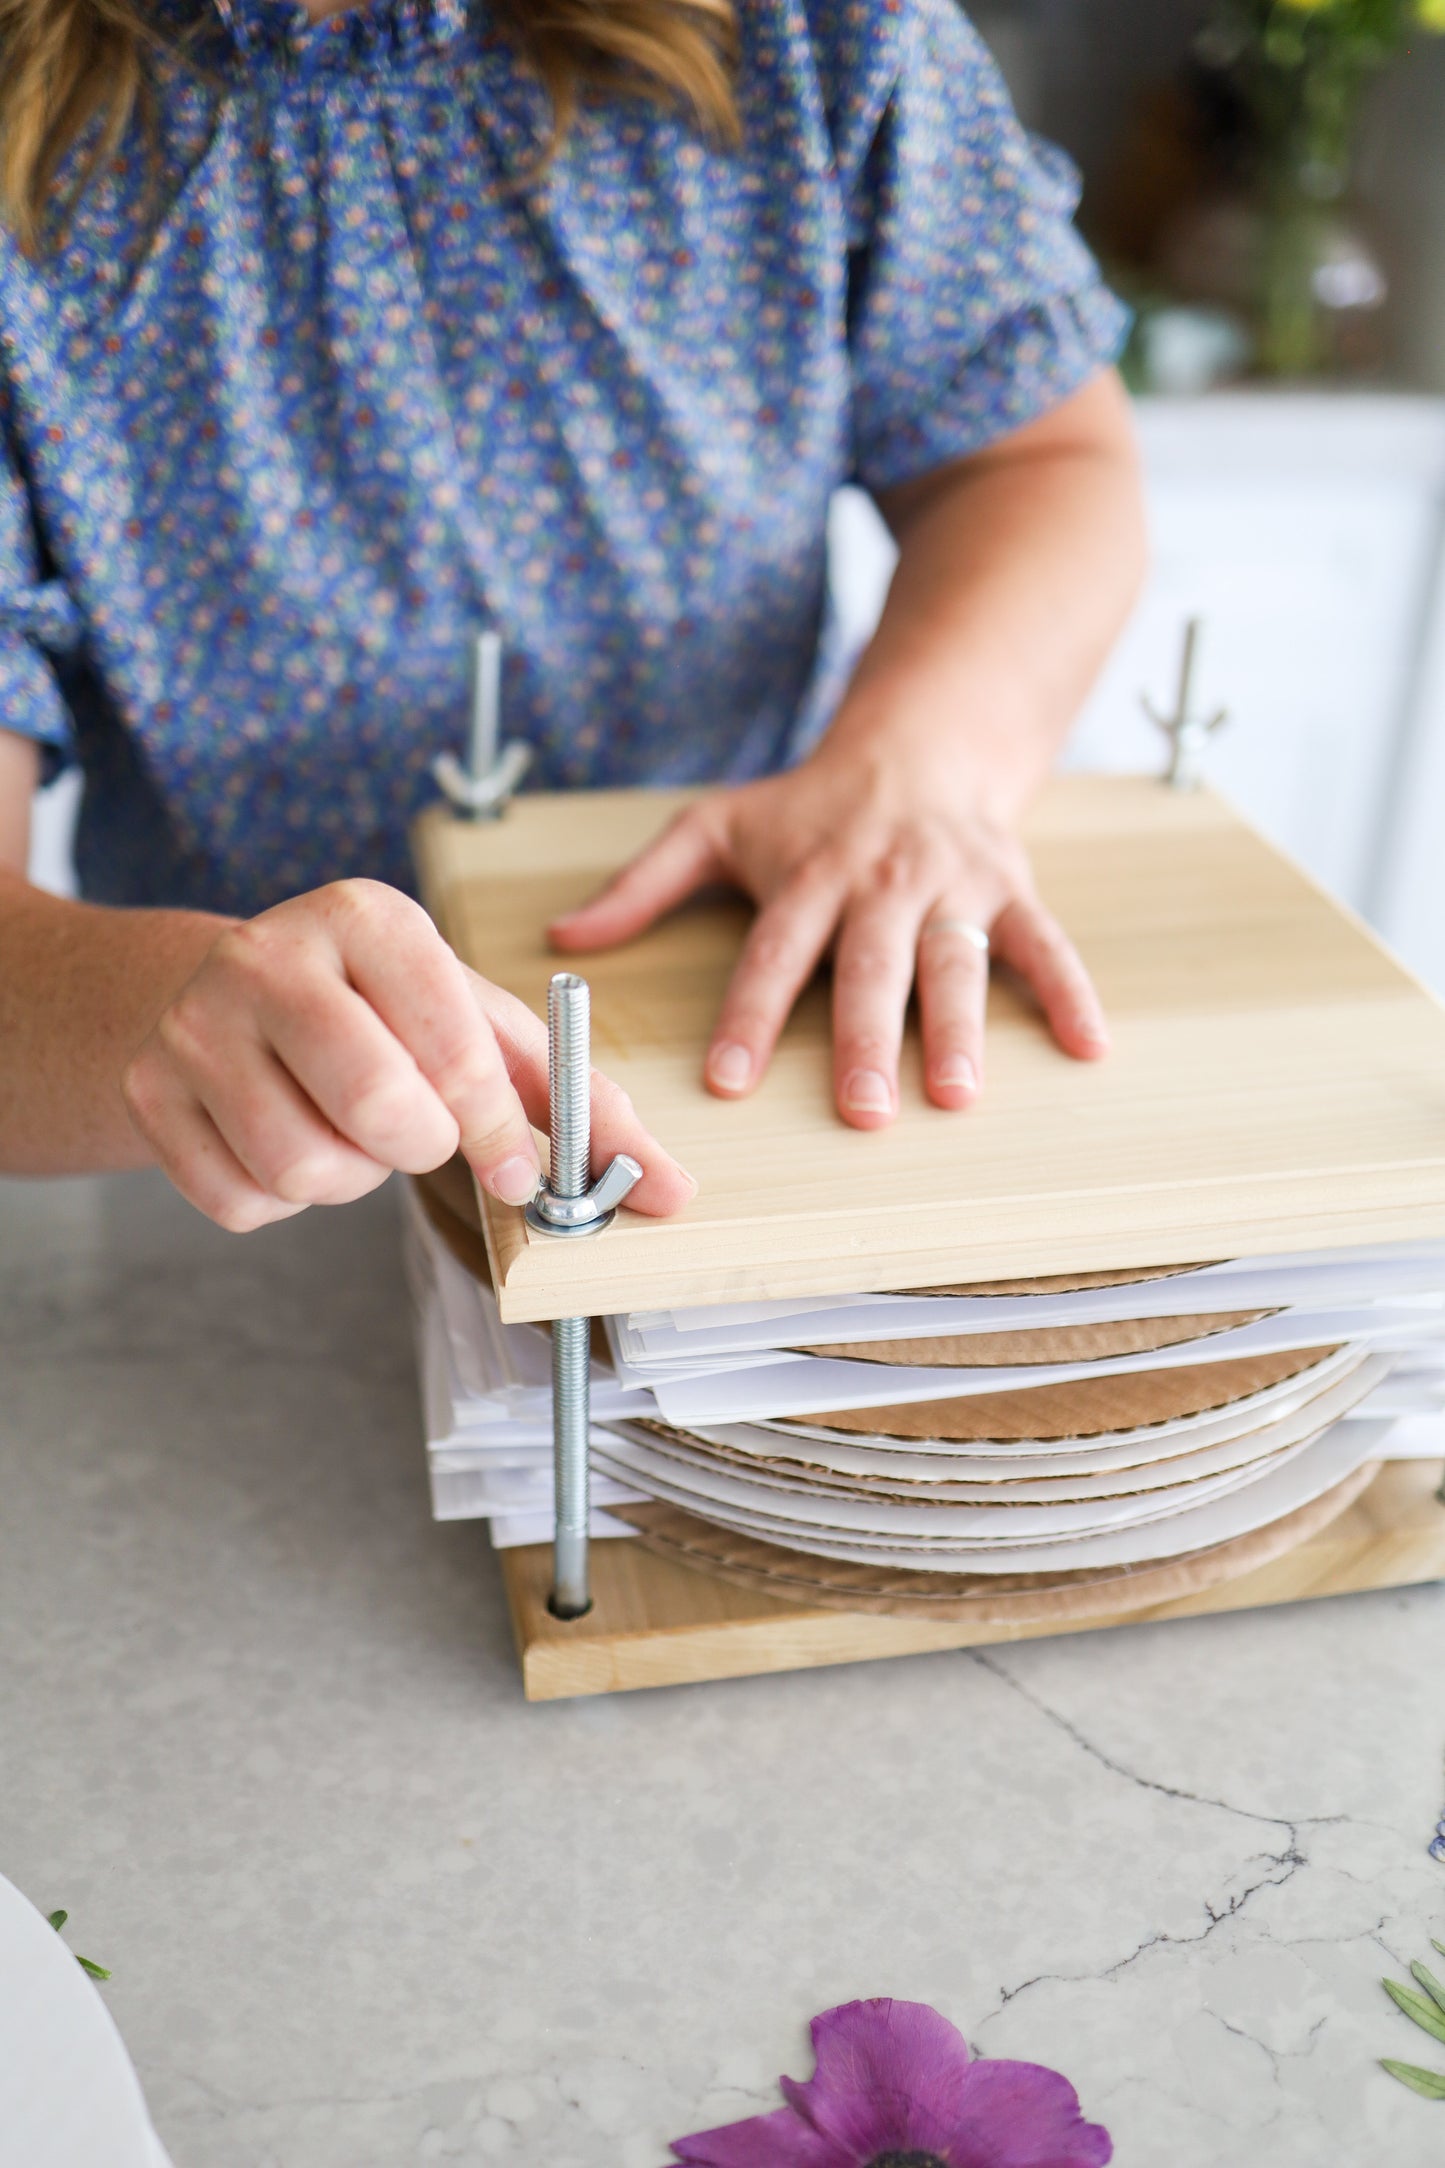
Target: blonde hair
(68,67)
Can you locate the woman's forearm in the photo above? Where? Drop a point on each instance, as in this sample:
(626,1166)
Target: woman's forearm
(1016,571)
(80,988)
(296,1058)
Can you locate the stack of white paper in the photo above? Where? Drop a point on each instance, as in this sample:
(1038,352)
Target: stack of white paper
(487,1400)
(722,1411)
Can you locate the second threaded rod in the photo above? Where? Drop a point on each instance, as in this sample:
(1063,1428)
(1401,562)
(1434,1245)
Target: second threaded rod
(569,1078)
(569,1204)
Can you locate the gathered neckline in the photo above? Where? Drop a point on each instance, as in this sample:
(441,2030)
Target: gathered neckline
(371,31)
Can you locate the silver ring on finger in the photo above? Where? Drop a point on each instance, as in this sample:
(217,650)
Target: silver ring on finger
(966,929)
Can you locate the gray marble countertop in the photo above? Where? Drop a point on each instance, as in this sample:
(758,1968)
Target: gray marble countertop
(263,1736)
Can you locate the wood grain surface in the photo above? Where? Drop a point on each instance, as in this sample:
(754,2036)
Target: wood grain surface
(657,1622)
(1277,1080)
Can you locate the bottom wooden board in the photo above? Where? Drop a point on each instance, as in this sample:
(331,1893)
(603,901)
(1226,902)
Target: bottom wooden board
(653,1623)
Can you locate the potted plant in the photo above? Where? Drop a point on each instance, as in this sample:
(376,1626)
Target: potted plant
(1300,68)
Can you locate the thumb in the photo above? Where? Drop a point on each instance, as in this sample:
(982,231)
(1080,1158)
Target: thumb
(681,860)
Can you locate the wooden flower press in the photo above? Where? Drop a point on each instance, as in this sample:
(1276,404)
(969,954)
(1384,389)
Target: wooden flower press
(1277,1083)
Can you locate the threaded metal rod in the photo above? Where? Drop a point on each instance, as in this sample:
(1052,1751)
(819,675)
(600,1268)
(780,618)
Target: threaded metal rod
(569,1077)
(571,1414)
(486,712)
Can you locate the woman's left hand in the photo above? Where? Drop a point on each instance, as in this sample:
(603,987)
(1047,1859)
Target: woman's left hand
(893,843)
(901,882)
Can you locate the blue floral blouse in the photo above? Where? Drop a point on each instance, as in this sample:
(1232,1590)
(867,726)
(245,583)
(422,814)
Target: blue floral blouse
(280,434)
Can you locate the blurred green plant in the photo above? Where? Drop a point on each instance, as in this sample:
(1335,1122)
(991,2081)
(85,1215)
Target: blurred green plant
(86,1964)
(1301,67)
(1427,2010)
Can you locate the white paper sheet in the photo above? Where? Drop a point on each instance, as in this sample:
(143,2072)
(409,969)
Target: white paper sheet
(1418,1437)
(1316,1468)
(1140,1462)
(487,1408)
(927,1522)
(802,1385)
(668,1339)
(1206,1428)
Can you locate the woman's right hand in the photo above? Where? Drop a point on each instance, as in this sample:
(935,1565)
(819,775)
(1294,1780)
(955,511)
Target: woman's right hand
(336,1038)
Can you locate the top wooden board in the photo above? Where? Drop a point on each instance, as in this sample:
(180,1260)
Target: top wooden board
(1277,1080)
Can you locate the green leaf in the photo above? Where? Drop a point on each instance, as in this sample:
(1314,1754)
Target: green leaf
(1430,1984)
(86,1964)
(1440,1946)
(1416,2008)
(1429,2084)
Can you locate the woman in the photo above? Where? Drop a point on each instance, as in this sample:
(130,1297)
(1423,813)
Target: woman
(330,336)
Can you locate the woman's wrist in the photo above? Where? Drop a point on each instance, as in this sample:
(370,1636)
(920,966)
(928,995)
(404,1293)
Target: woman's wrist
(936,741)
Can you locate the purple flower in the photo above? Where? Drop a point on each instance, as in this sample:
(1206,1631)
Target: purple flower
(895,2088)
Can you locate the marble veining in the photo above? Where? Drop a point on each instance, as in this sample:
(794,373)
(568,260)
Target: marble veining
(261,1733)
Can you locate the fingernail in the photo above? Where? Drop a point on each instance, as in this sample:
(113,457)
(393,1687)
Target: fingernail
(516,1181)
(867,1092)
(957,1073)
(691,1181)
(730,1065)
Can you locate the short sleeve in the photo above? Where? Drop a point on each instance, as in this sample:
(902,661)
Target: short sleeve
(974,305)
(36,614)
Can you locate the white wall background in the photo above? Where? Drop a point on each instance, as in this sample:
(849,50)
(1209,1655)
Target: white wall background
(1307,532)
(52,823)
